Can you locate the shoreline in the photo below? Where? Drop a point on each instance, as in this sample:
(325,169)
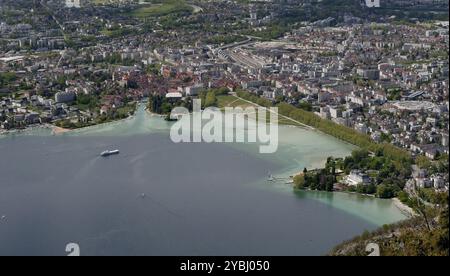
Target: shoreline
(405,209)
(56,130)
(59,130)
(154,114)
(4,133)
(96,125)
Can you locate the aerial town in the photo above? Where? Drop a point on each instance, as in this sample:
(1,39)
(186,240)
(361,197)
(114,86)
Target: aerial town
(373,74)
(78,63)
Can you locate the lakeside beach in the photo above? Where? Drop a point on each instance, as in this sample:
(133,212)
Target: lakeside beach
(408,211)
(59,130)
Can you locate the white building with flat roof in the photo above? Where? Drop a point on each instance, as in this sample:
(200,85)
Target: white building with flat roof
(357,177)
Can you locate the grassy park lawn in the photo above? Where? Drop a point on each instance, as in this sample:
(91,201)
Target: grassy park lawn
(161,8)
(230,101)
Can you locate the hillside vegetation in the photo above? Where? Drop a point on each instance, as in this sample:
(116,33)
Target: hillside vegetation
(425,235)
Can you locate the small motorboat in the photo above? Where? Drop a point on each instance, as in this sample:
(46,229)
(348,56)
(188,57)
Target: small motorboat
(109,152)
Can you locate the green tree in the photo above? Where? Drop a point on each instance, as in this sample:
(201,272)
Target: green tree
(299,181)
(423,162)
(386,191)
(211,99)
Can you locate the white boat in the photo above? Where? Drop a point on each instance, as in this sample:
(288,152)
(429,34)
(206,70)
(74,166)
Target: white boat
(109,152)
